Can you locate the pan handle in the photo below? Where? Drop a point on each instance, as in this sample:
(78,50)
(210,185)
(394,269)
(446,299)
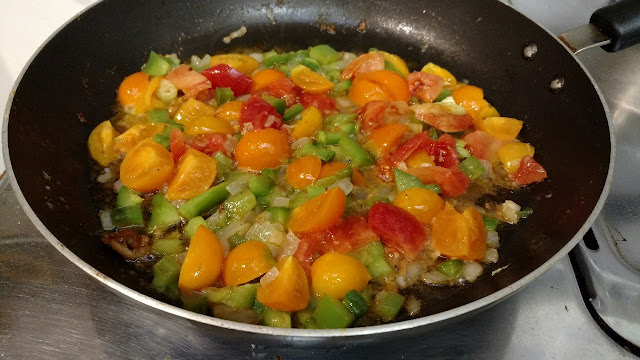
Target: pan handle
(614,27)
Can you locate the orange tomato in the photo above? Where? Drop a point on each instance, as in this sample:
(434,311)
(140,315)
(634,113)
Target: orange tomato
(379,85)
(101,143)
(196,172)
(193,109)
(319,213)
(460,236)
(150,100)
(422,203)
(147,167)
(208,125)
(266,148)
(469,97)
(449,79)
(384,139)
(303,171)
(309,80)
(230,111)
(289,291)
(331,168)
(131,92)
(262,79)
(371,61)
(136,134)
(502,128)
(336,274)
(243,63)
(246,262)
(419,159)
(203,263)
(310,122)
(511,155)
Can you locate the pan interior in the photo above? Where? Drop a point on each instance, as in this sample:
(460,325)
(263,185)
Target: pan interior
(70,87)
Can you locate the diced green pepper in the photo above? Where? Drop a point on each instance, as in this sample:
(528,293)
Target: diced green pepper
(332,314)
(368,203)
(193,224)
(305,319)
(275,318)
(279,104)
(389,66)
(311,64)
(357,156)
(298,198)
(241,296)
(167,246)
(324,54)
(279,214)
(260,185)
(314,190)
(196,302)
(238,205)
(162,140)
(272,58)
(471,167)
(127,216)
(491,223)
(355,303)
(235,240)
(224,95)
(342,86)
(258,306)
(367,295)
(163,213)
(451,267)
(165,277)
(205,201)
(310,149)
(292,112)
(159,116)
(525,213)
(445,93)
(333,75)
(217,295)
(224,164)
(433,187)
(372,256)
(157,65)
(127,197)
(387,304)
(330,180)
(433,133)
(332,122)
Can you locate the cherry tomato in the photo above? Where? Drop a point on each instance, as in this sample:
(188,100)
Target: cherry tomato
(530,171)
(246,262)
(379,85)
(263,78)
(285,89)
(443,151)
(483,145)
(189,81)
(469,97)
(195,174)
(319,213)
(460,236)
(385,138)
(223,75)
(303,171)
(322,102)
(267,148)
(336,274)
(439,117)
(425,86)
(309,80)
(363,64)
(132,90)
(289,291)
(176,144)
(422,203)
(260,114)
(452,181)
(203,264)
(208,143)
(398,228)
(147,167)
(240,62)
(101,143)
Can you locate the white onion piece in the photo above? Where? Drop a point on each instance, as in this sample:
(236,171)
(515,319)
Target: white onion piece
(244,97)
(300,142)
(238,186)
(105,176)
(105,220)
(345,184)
(488,168)
(271,275)
(491,256)
(402,166)
(280,201)
(344,102)
(229,230)
(412,274)
(258,57)
(509,211)
(117,185)
(413,306)
(212,221)
(493,239)
(471,270)
(224,243)
(230,144)
(415,128)
(290,245)
(178,203)
(436,277)
(401,282)
(235,34)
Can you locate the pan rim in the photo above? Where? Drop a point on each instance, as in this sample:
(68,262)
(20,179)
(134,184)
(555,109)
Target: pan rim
(479,304)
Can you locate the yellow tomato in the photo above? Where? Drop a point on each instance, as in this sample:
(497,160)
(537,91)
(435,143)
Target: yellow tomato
(243,63)
(449,79)
(208,125)
(419,159)
(470,98)
(511,154)
(310,122)
(266,148)
(193,109)
(336,274)
(459,236)
(246,262)
(131,92)
(397,63)
(379,85)
(503,128)
(422,203)
(309,80)
(289,291)
(136,134)
(385,139)
(230,111)
(263,78)
(203,263)
(304,171)
(101,144)
(196,172)
(319,213)
(147,167)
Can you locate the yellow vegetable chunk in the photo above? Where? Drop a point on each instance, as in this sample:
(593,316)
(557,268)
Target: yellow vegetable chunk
(246,262)
(336,274)
(136,134)
(511,154)
(101,144)
(449,79)
(422,203)
(193,109)
(208,125)
(319,213)
(289,290)
(196,172)
(397,63)
(310,122)
(309,80)
(419,159)
(147,167)
(243,63)
(502,128)
(203,263)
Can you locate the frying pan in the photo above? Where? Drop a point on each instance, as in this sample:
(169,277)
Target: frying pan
(69,87)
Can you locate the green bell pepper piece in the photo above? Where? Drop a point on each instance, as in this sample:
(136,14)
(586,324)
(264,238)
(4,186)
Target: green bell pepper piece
(451,267)
(163,213)
(332,314)
(157,65)
(324,54)
(224,95)
(204,202)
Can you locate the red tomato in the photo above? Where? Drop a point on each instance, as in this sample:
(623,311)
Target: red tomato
(321,101)
(176,144)
(483,145)
(348,235)
(425,86)
(223,75)
(208,143)
(260,113)
(398,228)
(405,150)
(189,81)
(439,117)
(380,112)
(452,181)
(530,171)
(285,89)
(443,151)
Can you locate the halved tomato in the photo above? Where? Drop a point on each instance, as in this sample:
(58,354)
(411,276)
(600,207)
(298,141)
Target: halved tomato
(260,114)
(398,228)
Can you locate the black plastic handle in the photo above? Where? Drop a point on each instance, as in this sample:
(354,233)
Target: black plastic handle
(620,22)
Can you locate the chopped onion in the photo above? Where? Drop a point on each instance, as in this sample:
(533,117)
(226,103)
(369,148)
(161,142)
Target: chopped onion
(300,142)
(345,184)
(224,243)
(290,245)
(414,269)
(200,64)
(436,277)
(402,166)
(117,185)
(509,211)
(239,185)
(230,144)
(235,34)
(104,177)
(270,121)
(258,57)
(413,306)
(178,203)
(229,230)
(280,201)
(491,256)
(493,239)
(488,168)
(471,270)
(415,128)
(212,221)
(344,102)
(105,220)
(401,283)
(271,275)
(267,233)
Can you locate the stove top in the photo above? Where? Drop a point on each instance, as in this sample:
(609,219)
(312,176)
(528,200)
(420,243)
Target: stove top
(584,307)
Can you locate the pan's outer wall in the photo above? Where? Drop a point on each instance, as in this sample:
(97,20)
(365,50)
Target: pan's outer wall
(76,75)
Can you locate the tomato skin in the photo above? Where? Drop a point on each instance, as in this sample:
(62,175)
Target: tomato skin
(177,145)
(397,228)
(530,171)
(322,102)
(443,151)
(425,86)
(436,115)
(257,112)
(363,64)
(189,81)
(483,145)
(371,115)
(452,181)
(223,75)
(208,143)
(285,89)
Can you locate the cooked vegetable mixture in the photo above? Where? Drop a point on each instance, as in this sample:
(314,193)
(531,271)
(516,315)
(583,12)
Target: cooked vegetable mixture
(306,188)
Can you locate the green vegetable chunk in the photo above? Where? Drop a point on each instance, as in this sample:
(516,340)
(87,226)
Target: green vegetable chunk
(196,302)
(491,223)
(292,112)
(333,122)
(235,240)
(165,277)
(332,314)
(387,304)
(205,201)
(443,95)
(272,58)
(157,65)
(355,303)
(324,54)
(451,267)
(310,149)
(357,156)
(275,318)
(217,295)
(279,104)
(224,164)
(311,64)
(304,319)
(472,167)
(162,140)
(167,246)
(193,224)
(342,86)
(314,190)
(241,296)
(279,214)
(406,181)
(163,213)
(224,95)
(373,257)
(389,66)
(261,185)
(238,205)
(127,197)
